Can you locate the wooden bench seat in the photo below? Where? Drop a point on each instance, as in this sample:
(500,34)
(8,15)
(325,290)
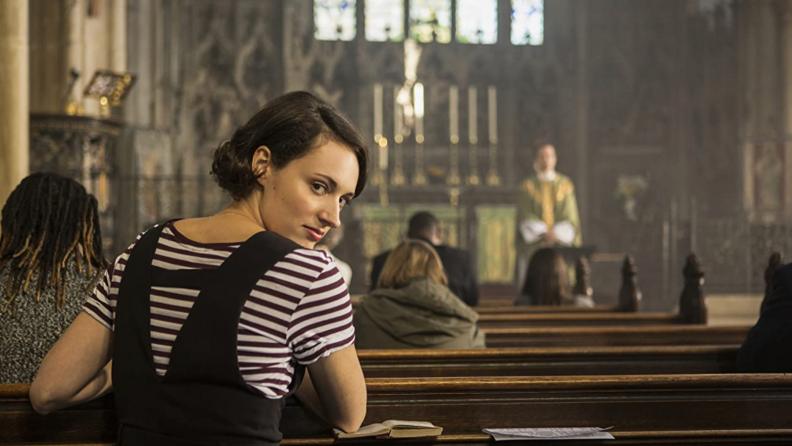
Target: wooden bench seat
(548,361)
(518,320)
(645,409)
(541,309)
(614,336)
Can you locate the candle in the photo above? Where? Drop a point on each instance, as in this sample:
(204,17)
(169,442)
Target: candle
(377,112)
(398,116)
(453,113)
(492,99)
(472,116)
(383,154)
(418,102)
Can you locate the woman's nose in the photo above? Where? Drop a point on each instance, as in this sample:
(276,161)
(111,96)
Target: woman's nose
(332,216)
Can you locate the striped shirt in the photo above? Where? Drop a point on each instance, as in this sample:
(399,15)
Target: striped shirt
(299,311)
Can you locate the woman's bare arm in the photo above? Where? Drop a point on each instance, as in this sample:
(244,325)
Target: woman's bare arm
(335,389)
(76,369)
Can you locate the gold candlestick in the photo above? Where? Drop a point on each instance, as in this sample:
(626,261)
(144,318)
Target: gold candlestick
(420,175)
(398,178)
(453,178)
(473,179)
(493,179)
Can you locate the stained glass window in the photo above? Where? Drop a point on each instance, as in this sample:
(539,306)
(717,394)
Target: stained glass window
(384,20)
(477,21)
(527,22)
(430,20)
(335,19)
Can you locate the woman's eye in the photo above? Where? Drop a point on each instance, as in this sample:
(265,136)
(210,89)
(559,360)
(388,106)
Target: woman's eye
(319,187)
(344,202)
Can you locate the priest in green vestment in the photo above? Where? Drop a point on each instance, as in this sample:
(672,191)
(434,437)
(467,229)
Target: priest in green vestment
(547,211)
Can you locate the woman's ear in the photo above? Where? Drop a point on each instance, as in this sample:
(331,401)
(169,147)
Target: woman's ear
(262,159)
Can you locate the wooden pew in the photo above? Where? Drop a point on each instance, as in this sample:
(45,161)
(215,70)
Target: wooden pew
(508,308)
(692,299)
(582,286)
(693,307)
(646,409)
(575,319)
(549,361)
(614,336)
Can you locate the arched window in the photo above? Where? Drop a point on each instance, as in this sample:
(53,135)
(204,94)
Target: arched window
(335,19)
(527,22)
(384,20)
(477,21)
(430,20)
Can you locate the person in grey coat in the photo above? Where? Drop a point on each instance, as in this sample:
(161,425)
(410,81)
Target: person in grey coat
(413,308)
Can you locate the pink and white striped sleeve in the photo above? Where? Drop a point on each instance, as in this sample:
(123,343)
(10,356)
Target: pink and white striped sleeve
(322,322)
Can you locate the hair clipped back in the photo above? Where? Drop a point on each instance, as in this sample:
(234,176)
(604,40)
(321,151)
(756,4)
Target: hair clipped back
(47,220)
(290,126)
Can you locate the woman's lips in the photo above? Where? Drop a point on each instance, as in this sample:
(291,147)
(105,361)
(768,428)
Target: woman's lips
(314,234)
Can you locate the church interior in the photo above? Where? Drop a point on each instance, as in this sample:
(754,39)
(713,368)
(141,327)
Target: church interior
(647,143)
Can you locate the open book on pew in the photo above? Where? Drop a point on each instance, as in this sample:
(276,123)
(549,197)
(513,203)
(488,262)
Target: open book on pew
(393,429)
(551,433)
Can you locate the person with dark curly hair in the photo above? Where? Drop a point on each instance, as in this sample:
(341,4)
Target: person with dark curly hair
(50,260)
(204,326)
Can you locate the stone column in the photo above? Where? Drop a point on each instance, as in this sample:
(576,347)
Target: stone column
(118,49)
(14,95)
(75,47)
(786,46)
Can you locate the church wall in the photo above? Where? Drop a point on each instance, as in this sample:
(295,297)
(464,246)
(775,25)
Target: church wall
(649,90)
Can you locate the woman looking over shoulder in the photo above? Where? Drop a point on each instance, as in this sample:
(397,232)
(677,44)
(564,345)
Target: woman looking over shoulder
(412,306)
(216,318)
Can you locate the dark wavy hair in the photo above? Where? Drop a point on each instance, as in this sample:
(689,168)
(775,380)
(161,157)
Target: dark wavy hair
(48,220)
(290,126)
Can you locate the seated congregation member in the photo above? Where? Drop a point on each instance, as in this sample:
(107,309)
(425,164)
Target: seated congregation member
(768,346)
(413,308)
(328,243)
(546,282)
(456,262)
(216,319)
(50,260)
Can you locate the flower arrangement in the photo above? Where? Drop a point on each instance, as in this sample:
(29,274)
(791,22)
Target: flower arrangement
(629,188)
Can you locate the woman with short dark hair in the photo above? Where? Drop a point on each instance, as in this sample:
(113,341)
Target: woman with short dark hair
(50,260)
(205,325)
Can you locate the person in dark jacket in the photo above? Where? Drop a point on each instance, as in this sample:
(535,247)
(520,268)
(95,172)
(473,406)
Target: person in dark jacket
(768,346)
(457,263)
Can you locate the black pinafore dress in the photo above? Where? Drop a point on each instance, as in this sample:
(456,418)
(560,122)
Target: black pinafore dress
(203,398)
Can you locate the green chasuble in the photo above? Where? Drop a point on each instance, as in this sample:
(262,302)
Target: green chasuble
(550,202)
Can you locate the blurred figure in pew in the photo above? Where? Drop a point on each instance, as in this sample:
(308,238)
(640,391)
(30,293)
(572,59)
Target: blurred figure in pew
(50,260)
(547,283)
(412,306)
(768,346)
(457,263)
